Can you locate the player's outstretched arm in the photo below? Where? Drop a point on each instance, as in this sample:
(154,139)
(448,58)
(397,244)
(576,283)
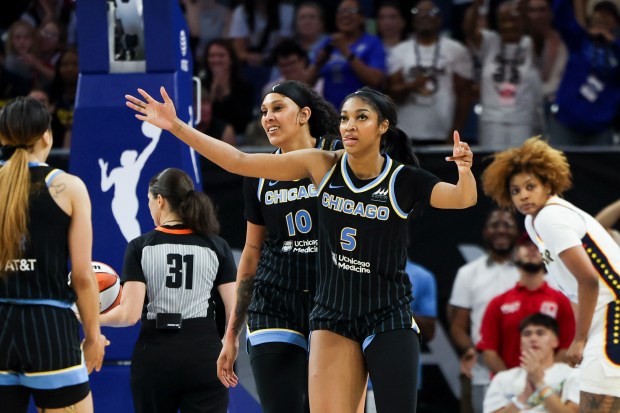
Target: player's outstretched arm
(286,167)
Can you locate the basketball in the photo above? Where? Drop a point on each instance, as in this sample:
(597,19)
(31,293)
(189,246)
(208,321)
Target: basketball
(110,289)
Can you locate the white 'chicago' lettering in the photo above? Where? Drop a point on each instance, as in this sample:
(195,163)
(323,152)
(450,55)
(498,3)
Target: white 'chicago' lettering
(347,206)
(280,196)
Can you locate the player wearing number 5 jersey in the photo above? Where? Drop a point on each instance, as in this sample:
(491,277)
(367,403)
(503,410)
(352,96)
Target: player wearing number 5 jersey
(277,271)
(169,274)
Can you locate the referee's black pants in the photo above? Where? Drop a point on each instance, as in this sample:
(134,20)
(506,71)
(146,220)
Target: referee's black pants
(176,369)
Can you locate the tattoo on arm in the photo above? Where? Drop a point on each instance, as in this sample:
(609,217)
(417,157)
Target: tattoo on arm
(56,190)
(244,296)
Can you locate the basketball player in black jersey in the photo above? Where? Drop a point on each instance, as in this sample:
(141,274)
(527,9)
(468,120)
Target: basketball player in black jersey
(276,275)
(362,321)
(168,277)
(44,223)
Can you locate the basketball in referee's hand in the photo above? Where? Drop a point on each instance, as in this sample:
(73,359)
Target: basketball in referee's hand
(110,289)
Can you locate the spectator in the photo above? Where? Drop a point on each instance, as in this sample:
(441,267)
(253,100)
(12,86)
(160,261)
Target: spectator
(391,24)
(63,92)
(50,38)
(58,130)
(207,20)
(227,89)
(539,384)
(550,53)
(19,46)
(499,342)
(310,27)
(214,126)
(291,61)
(424,304)
(475,285)
(430,79)
(42,10)
(11,86)
(510,84)
(257,26)
(588,98)
(350,58)
(608,217)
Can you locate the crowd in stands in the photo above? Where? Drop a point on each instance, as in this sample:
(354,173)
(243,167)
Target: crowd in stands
(498,71)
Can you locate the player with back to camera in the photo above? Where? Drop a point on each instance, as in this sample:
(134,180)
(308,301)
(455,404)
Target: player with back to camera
(362,319)
(277,269)
(45,222)
(169,274)
(580,256)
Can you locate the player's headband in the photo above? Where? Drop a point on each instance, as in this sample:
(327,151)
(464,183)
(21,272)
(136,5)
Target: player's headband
(294,92)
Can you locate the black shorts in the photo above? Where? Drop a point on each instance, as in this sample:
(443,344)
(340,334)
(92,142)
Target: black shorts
(38,338)
(17,398)
(363,329)
(278,315)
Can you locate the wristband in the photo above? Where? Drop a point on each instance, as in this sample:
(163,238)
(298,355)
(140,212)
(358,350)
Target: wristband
(515,400)
(540,396)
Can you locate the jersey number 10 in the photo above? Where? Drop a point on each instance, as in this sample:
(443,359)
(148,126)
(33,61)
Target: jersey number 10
(302,222)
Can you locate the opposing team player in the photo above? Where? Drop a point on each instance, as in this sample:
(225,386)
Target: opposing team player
(365,196)
(276,274)
(44,224)
(580,256)
(171,272)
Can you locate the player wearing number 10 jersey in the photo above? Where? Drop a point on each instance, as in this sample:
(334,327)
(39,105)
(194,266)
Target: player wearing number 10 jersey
(276,277)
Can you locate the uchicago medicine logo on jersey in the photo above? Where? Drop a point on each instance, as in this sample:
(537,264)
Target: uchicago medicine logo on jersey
(350,264)
(309,246)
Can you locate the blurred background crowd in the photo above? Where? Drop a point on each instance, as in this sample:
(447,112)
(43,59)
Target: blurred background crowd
(497,71)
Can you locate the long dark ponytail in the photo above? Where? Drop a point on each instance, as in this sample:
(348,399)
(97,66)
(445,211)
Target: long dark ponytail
(194,208)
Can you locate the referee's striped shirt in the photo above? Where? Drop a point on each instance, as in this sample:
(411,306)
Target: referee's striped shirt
(179,268)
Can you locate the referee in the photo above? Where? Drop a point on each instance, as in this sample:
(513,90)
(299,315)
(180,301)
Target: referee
(168,276)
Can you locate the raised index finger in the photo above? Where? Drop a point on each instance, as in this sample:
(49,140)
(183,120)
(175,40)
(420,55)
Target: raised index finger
(457,138)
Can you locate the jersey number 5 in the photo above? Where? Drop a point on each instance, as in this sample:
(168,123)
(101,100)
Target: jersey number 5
(179,267)
(347,238)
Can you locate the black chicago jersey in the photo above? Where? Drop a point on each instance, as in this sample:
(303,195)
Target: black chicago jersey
(363,236)
(41,273)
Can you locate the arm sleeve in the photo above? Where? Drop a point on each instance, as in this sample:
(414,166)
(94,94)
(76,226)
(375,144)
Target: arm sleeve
(227,270)
(560,228)
(490,327)
(252,205)
(132,266)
